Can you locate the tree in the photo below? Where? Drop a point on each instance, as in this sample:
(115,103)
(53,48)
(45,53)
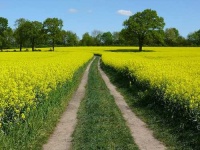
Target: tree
(35,33)
(53,27)
(96,34)
(19,22)
(107,38)
(155,39)
(143,24)
(194,38)
(172,36)
(22,32)
(116,38)
(182,41)
(87,40)
(3,24)
(126,38)
(8,40)
(70,38)
(3,27)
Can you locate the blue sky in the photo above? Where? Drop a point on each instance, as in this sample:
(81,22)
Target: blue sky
(82,16)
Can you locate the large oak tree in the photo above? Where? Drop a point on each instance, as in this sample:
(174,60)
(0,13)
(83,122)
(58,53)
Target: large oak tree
(142,24)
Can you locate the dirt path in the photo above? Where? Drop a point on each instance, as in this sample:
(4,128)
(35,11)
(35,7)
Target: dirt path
(142,135)
(61,138)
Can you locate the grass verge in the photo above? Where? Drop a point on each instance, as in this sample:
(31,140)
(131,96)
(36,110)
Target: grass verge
(157,118)
(35,130)
(100,122)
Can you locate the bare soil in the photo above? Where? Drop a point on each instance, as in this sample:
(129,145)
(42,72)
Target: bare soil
(143,137)
(61,138)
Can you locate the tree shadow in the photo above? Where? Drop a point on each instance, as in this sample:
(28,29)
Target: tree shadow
(128,51)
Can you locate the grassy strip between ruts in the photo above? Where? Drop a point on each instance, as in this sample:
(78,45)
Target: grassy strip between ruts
(100,122)
(35,130)
(153,114)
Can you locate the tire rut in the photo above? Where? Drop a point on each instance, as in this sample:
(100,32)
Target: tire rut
(143,136)
(61,137)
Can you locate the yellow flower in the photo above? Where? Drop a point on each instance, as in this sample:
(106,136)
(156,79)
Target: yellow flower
(23,116)
(34,75)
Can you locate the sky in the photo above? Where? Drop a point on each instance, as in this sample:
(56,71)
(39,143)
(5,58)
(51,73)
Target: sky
(81,16)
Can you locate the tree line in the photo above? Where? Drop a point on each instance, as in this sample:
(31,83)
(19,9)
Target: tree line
(143,28)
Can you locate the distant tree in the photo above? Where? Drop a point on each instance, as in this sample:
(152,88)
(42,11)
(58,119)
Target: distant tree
(53,27)
(87,40)
(107,38)
(3,28)
(171,36)
(8,40)
(96,34)
(116,38)
(62,41)
(182,41)
(194,38)
(143,24)
(3,24)
(22,31)
(35,33)
(71,38)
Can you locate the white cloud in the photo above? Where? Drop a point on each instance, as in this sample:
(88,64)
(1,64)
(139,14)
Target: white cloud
(72,10)
(124,12)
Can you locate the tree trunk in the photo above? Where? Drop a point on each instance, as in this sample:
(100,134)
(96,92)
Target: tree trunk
(33,44)
(53,43)
(140,44)
(20,47)
(140,48)
(141,41)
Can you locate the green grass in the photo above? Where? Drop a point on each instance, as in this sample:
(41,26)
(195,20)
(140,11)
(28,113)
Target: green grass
(165,128)
(100,122)
(35,130)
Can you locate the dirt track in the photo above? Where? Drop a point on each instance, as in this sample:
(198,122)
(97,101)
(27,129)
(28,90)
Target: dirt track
(142,135)
(61,138)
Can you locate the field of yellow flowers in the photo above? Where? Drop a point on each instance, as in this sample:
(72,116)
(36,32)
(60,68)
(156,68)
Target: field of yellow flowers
(172,73)
(26,79)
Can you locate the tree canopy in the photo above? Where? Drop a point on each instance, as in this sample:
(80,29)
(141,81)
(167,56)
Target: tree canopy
(69,38)
(142,24)
(171,36)
(35,33)
(87,40)
(194,38)
(3,28)
(22,32)
(53,28)
(142,28)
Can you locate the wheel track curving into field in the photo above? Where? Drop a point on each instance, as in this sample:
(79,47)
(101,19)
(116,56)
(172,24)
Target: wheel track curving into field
(143,137)
(61,138)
